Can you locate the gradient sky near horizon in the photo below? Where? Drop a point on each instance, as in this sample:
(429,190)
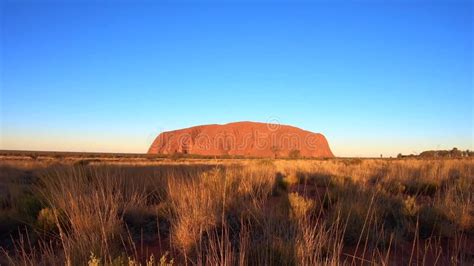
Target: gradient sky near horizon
(374,78)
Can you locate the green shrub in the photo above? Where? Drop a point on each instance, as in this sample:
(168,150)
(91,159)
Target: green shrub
(46,220)
(421,187)
(28,207)
(434,222)
(141,222)
(392,186)
(294,154)
(8,227)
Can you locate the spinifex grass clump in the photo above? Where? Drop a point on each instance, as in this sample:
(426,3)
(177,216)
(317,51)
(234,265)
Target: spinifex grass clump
(88,205)
(203,204)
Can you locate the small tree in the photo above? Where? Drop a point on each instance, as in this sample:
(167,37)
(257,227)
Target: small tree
(176,155)
(456,153)
(275,151)
(294,154)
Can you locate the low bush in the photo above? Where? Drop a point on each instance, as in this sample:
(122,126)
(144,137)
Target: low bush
(300,207)
(421,187)
(434,222)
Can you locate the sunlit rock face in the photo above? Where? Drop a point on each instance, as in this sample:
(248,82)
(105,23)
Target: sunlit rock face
(250,139)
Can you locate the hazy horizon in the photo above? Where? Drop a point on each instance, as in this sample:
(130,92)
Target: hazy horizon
(374,78)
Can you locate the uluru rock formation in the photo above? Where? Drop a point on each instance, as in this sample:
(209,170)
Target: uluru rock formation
(251,139)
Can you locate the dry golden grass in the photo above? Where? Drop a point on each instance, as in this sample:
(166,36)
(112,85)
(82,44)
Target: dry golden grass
(259,212)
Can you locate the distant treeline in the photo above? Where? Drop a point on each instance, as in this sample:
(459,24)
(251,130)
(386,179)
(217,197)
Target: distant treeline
(294,154)
(454,153)
(102,155)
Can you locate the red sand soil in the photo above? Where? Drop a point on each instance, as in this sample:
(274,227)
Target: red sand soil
(243,139)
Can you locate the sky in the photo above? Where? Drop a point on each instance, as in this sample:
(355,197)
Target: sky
(108,76)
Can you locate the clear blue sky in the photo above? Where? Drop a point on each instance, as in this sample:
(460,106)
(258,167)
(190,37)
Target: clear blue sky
(374,78)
